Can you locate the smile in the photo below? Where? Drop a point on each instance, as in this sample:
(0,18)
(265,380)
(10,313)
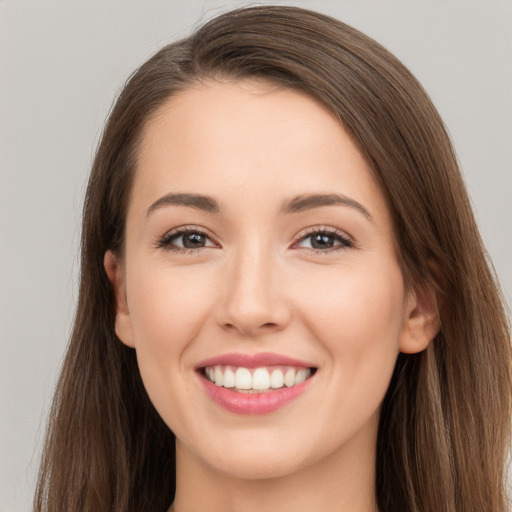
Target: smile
(256,380)
(254,384)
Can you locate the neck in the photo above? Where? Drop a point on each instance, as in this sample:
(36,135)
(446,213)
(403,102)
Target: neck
(342,482)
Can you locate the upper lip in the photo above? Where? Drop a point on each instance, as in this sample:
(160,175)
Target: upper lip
(252,360)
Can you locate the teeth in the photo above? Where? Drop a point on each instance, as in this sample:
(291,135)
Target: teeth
(229,378)
(218,376)
(257,379)
(289,378)
(243,379)
(260,379)
(301,376)
(276,379)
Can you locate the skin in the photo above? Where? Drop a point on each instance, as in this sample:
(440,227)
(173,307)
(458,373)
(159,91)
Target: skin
(258,286)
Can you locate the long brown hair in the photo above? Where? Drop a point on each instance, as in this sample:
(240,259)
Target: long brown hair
(444,427)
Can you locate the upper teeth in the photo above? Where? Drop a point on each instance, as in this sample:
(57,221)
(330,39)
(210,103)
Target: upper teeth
(257,379)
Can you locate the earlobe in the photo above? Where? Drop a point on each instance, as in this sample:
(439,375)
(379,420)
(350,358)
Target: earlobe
(421,321)
(123,324)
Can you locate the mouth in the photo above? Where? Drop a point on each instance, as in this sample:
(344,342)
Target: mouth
(254,384)
(256,380)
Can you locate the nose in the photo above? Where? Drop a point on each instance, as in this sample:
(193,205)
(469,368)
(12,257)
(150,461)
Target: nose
(253,301)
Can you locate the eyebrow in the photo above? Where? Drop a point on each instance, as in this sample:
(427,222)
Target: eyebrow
(310,201)
(197,201)
(294,205)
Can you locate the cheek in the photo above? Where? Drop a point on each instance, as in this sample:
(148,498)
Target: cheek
(353,301)
(167,312)
(357,315)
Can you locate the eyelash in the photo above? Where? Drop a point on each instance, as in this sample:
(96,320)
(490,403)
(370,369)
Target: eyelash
(166,241)
(342,238)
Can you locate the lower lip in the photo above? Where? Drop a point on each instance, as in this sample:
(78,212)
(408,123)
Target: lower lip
(253,403)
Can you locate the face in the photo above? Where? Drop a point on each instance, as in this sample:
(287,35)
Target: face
(259,253)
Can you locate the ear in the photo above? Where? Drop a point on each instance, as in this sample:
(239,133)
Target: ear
(123,325)
(421,321)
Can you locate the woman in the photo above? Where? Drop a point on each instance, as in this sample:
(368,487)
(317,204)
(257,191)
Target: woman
(284,300)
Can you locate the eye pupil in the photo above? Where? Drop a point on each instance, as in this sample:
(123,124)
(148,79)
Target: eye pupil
(322,241)
(193,240)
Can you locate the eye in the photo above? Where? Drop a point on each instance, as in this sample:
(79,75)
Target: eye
(185,239)
(324,240)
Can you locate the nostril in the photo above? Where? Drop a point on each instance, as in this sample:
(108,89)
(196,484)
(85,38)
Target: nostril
(250,329)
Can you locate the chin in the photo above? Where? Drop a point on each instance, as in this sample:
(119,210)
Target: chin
(249,455)
(261,466)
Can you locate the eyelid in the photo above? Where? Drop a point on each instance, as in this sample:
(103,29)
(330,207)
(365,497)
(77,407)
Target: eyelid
(164,240)
(348,241)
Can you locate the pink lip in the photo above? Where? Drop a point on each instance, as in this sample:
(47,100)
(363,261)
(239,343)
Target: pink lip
(252,361)
(252,403)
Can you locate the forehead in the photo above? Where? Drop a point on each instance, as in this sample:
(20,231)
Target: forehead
(252,113)
(250,139)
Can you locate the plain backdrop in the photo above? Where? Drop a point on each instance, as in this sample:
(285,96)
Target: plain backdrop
(62,63)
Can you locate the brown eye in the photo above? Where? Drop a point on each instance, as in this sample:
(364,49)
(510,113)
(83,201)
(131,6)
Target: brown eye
(193,240)
(324,240)
(185,239)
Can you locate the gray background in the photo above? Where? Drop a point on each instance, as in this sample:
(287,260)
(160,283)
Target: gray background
(61,64)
